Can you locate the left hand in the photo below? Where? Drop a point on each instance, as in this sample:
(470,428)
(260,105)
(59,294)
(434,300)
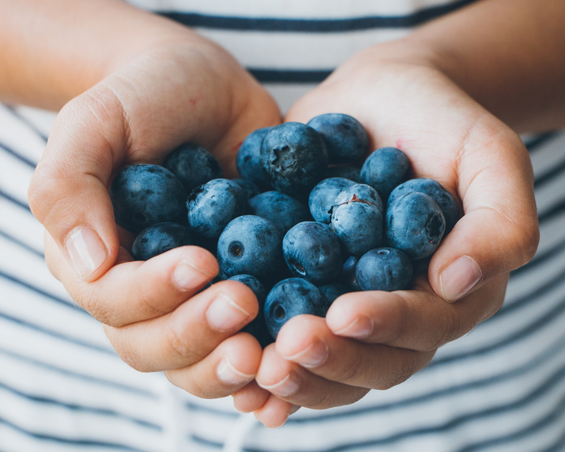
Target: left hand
(376,340)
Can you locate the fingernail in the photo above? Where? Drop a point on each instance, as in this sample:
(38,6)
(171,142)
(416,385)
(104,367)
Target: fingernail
(314,355)
(224,314)
(86,251)
(187,276)
(360,328)
(288,386)
(459,278)
(230,375)
(294,409)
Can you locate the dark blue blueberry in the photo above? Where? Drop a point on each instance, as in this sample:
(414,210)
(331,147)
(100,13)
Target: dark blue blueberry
(312,251)
(144,195)
(294,158)
(357,219)
(444,199)
(248,160)
(249,187)
(254,284)
(347,172)
(346,139)
(347,276)
(159,238)
(292,297)
(333,291)
(210,244)
(213,205)
(322,197)
(384,169)
(257,327)
(250,245)
(384,269)
(415,225)
(283,210)
(193,165)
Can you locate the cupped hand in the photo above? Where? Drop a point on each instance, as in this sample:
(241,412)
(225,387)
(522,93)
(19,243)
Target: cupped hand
(375,340)
(189,90)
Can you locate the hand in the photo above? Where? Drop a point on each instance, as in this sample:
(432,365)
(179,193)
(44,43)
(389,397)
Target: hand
(375,340)
(189,90)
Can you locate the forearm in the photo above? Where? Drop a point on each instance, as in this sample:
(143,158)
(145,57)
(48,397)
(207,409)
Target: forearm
(51,51)
(508,55)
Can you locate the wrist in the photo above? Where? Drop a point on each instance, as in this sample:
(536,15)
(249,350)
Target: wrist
(48,57)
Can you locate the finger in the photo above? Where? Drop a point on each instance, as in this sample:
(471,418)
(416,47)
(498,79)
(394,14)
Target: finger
(129,117)
(230,367)
(71,200)
(295,384)
(189,333)
(250,398)
(275,412)
(133,291)
(499,231)
(306,340)
(415,319)
(478,157)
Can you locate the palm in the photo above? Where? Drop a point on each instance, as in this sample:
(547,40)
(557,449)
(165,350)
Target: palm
(448,137)
(176,96)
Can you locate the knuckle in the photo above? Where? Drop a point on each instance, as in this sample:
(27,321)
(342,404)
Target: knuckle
(43,191)
(178,346)
(148,306)
(183,379)
(450,328)
(528,240)
(321,401)
(91,304)
(121,341)
(351,373)
(87,296)
(405,369)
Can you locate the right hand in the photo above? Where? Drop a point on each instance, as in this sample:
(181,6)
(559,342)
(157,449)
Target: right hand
(173,93)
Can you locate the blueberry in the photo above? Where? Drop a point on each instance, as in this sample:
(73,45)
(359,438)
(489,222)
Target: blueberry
(210,244)
(292,297)
(250,245)
(312,251)
(254,284)
(444,199)
(322,197)
(193,165)
(357,219)
(346,139)
(159,238)
(283,210)
(293,158)
(144,195)
(248,160)
(384,169)
(415,225)
(213,205)
(333,291)
(384,269)
(347,276)
(249,187)
(347,172)
(257,327)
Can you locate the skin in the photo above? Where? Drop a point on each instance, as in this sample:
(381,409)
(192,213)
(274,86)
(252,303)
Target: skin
(451,96)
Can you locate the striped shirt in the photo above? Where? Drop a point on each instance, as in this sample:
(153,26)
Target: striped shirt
(63,388)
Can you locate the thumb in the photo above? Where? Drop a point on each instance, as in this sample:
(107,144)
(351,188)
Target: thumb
(68,193)
(499,231)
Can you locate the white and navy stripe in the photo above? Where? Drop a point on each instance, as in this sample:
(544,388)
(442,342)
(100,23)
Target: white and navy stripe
(62,388)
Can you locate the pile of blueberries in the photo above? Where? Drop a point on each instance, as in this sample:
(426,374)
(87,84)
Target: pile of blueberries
(297,231)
